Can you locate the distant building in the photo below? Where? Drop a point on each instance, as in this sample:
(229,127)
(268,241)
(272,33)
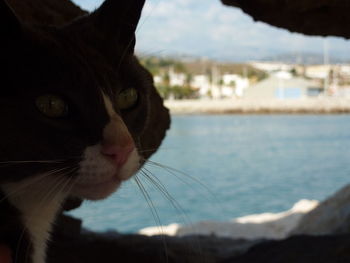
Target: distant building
(271,66)
(225,86)
(344,70)
(176,79)
(341,91)
(318,71)
(283,85)
(203,84)
(233,85)
(158,79)
(343,74)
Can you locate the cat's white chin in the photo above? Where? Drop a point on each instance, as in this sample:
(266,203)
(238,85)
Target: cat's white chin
(98,177)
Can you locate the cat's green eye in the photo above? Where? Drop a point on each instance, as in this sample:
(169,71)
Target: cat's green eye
(52,106)
(127,98)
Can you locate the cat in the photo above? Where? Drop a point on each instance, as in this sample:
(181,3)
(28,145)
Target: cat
(79,116)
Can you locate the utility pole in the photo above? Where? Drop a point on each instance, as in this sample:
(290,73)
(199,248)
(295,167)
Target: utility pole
(325,63)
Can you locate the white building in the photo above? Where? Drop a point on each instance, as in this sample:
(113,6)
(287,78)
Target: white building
(202,83)
(272,66)
(318,71)
(233,85)
(342,91)
(157,79)
(282,85)
(176,79)
(344,70)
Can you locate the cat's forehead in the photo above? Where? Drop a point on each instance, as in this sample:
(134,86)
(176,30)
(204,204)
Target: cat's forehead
(61,61)
(93,50)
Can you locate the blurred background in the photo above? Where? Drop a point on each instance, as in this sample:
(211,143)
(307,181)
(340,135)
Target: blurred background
(259,118)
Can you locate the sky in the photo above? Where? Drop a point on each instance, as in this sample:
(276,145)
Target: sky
(215,31)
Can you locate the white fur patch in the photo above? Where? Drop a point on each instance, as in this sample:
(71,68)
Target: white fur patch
(38,199)
(131,166)
(94,168)
(98,176)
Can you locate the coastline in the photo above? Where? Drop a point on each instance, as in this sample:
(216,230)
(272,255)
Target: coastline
(250,227)
(260,106)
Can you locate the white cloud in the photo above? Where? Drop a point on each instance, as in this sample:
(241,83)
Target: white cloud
(207,28)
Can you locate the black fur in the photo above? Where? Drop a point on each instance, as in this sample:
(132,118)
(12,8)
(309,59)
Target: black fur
(76,62)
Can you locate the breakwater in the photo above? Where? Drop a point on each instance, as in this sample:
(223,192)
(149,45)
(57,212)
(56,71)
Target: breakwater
(260,106)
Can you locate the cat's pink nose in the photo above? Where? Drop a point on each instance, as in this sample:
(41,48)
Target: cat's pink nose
(118,154)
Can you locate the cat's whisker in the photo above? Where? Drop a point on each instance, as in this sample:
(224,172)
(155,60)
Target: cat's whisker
(72,181)
(155,181)
(175,172)
(71,184)
(66,185)
(24,186)
(162,189)
(181,179)
(145,151)
(19,162)
(148,200)
(153,210)
(152,150)
(39,161)
(33,181)
(12,163)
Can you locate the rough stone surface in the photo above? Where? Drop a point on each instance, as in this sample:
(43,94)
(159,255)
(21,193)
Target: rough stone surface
(71,246)
(299,249)
(331,216)
(311,17)
(252,227)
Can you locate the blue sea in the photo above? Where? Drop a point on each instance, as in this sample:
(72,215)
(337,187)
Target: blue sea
(229,166)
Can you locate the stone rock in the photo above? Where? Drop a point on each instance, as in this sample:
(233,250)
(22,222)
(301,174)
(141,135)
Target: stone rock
(331,216)
(311,17)
(298,249)
(258,226)
(71,246)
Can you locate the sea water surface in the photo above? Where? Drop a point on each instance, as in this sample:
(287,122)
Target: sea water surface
(233,165)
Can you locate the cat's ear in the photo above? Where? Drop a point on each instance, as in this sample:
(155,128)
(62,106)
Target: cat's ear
(118,19)
(10,25)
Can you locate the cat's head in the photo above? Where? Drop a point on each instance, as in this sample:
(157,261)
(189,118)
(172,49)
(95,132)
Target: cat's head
(75,102)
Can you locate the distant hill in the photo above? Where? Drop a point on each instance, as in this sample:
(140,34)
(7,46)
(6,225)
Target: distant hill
(194,66)
(232,56)
(303,58)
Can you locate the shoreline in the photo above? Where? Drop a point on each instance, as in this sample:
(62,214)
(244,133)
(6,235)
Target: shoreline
(250,227)
(259,106)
